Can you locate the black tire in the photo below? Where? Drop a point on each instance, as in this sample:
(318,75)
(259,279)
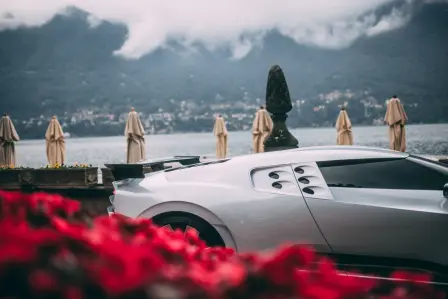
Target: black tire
(206,231)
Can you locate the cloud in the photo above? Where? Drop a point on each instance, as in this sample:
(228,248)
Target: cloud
(238,25)
(93,21)
(395,19)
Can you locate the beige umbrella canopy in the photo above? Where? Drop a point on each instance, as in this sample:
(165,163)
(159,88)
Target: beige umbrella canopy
(261,128)
(396,119)
(220,131)
(55,142)
(344,129)
(8,135)
(136,150)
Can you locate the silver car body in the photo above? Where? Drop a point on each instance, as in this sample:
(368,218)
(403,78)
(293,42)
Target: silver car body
(238,196)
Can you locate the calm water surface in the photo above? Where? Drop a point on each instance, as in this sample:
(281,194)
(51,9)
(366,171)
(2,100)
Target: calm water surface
(421,139)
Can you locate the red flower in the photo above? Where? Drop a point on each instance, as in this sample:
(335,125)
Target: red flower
(412,277)
(72,292)
(42,281)
(50,252)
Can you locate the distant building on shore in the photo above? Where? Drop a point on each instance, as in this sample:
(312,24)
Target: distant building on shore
(378,122)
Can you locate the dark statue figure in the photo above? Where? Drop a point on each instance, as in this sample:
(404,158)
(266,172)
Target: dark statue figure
(278,103)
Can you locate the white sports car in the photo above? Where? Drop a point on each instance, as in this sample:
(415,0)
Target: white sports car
(363,206)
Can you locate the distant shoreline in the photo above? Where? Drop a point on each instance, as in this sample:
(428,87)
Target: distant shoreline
(230,131)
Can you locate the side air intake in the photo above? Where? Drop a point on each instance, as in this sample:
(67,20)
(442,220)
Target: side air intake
(275,179)
(311,181)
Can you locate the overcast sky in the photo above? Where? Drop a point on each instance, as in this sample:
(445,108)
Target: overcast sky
(237,24)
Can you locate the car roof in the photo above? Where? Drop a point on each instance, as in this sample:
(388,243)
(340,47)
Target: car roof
(319,153)
(231,166)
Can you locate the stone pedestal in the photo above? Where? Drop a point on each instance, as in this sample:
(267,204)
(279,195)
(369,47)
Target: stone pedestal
(278,103)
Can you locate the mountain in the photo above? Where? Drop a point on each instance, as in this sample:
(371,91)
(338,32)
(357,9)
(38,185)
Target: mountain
(66,65)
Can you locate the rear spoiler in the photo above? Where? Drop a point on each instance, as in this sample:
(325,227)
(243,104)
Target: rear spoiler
(138,170)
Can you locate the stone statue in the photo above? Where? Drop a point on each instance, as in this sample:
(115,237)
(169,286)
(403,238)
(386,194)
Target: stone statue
(278,103)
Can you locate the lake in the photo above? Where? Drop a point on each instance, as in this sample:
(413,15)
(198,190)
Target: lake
(421,139)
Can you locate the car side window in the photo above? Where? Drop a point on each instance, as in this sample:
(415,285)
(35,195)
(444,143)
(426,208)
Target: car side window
(382,174)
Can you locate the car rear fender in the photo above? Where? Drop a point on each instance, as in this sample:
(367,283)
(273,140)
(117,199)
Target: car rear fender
(191,208)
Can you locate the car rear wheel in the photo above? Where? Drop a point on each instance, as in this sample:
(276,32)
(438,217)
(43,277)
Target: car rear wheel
(206,231)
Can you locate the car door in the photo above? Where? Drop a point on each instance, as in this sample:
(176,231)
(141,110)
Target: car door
(384,208)
(274,212)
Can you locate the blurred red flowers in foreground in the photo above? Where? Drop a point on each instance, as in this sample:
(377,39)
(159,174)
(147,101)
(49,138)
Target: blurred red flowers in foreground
(48,250)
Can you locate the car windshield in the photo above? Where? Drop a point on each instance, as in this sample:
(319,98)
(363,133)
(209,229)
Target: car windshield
(198,164)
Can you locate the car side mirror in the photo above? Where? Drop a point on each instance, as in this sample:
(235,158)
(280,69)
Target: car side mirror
(445,190)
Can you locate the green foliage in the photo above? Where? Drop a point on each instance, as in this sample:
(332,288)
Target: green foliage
(12,167)
(64,166)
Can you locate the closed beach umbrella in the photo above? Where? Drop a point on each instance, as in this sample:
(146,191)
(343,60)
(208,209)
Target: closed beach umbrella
(220,131)
(396,120)
(344,129)
(8,135)
(261,128)
(55,142)
(136,150)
